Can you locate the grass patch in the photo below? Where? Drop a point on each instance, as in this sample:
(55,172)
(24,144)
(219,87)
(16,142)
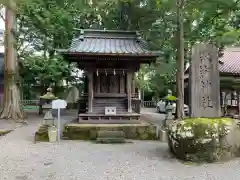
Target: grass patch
(30,107)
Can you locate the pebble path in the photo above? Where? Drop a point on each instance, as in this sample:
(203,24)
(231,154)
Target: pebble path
(22,159)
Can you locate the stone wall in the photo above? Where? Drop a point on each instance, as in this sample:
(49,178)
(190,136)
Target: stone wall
(89,131)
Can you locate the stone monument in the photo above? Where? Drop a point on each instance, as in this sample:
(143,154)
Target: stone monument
(204,82)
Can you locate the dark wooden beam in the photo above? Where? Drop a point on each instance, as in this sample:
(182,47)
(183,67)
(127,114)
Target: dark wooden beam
(140,59)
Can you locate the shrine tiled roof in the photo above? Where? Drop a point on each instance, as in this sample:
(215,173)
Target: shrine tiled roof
(109,42)
(230,61)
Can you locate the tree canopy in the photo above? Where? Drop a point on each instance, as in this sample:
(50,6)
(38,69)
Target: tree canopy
(46,25)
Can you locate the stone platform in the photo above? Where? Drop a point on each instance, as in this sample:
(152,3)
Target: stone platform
(102,117)
(89,131)
(109,122)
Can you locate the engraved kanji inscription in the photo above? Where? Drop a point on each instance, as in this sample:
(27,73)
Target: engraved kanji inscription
(206,102)
(205,84)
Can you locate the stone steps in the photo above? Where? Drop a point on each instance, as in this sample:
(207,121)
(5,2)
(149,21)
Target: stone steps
(110,137)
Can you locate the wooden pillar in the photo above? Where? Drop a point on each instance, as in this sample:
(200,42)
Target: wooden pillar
(98,84)
(122,84)
(129,91)
(90,91)
(133,84)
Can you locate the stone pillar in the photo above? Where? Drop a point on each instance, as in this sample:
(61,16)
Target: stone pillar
(90,91)
(204,82)
(122,84)
(129,91)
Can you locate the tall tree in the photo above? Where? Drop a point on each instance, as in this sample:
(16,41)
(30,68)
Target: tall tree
(12,107)
(180,60)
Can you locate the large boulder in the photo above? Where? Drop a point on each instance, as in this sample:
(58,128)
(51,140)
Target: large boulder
(204,139)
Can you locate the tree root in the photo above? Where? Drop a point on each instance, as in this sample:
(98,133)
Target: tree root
(12,104)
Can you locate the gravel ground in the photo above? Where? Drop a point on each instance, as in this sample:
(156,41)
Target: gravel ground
(21,159)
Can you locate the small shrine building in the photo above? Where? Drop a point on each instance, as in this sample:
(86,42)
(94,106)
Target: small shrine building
(109,59)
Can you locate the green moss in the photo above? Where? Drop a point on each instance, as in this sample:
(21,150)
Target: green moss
(42,134)
(4,132)
(207,121)
(206,126)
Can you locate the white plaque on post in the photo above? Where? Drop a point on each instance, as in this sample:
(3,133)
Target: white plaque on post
(59,104)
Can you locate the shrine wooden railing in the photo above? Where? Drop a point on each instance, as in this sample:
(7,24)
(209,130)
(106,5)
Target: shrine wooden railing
(136,95)
(24,102)
(30,102)
(148,104)
(111,71)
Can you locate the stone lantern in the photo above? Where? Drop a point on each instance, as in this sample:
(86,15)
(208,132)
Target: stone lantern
(46,101)
(169,107)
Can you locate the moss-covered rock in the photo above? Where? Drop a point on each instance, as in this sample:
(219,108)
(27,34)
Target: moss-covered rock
(204,139)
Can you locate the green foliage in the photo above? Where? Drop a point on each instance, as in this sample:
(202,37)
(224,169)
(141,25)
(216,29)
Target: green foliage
(45,71)
(39,73)
(171,98)
(46,25)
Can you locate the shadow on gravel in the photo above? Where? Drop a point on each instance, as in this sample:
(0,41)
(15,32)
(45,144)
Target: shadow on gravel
(161,153)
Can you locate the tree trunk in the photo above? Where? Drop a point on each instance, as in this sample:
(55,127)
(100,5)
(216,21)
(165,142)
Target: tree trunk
(12,102)
(180,60)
